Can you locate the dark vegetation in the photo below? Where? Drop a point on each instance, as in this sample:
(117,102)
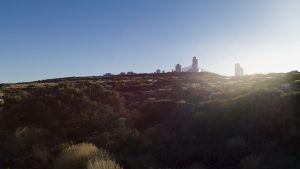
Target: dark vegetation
(187,120)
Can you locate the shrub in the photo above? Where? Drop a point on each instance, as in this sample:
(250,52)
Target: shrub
(197,166)
(41,153)
(99,163)
(84,155)
(236,143)
(250,162)
(75,156)
(26,137)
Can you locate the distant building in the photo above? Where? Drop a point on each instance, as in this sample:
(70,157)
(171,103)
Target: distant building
(178,68)
(239,71)
(195,67)
(130,73)
(122,73)
(192,68)
(107,74)
(157,71)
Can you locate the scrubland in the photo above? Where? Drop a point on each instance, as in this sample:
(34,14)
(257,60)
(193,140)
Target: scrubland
(171,120)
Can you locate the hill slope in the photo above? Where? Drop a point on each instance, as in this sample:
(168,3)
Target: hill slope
(173,120)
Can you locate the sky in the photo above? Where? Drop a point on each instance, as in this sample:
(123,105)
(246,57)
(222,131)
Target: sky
(62,38)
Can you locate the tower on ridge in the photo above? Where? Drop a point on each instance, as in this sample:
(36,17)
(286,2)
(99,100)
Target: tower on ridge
(178,68)
(239,71)
(195,67)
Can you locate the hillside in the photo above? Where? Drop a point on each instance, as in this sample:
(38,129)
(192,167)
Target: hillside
(171,120)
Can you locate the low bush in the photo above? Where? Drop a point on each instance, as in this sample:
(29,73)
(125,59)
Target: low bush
(26,137)
(84,155)
(99,163)
(250,162)
(41,154)
(75,156)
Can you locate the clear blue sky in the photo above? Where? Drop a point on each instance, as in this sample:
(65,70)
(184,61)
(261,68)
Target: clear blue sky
(42,39)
